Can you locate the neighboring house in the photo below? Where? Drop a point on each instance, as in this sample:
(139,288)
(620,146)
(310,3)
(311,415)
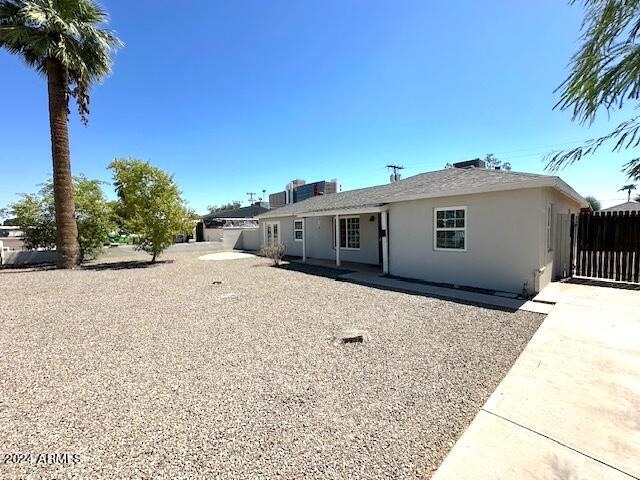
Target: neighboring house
(624,207)
(12,237)
(210,229)
(463,226)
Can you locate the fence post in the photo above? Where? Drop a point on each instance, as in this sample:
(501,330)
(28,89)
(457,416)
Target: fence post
(572,237)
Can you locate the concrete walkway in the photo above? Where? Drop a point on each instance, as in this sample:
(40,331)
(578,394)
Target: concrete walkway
(570,406)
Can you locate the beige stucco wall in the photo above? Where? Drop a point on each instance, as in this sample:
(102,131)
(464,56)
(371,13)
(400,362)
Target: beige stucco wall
(251,239)
(319,239)
(240,238)
(212,234)
(505,231)
(556,260)
(506,240)
(293,248)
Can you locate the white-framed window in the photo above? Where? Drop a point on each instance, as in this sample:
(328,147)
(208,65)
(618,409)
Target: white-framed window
(349,233)
(549,227)
(298,230)
(450,229)
(271,233)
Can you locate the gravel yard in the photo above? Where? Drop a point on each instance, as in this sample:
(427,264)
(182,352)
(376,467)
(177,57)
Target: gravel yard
(159,372)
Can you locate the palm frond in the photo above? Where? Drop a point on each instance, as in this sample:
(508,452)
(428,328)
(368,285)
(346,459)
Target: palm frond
(604,72)
(624,136)
(69,31)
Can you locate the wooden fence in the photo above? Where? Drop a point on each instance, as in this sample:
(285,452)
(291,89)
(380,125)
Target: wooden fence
(607,245)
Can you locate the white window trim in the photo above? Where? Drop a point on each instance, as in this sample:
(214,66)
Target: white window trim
(265,231)
(436,229)
(298,230)
(346,232)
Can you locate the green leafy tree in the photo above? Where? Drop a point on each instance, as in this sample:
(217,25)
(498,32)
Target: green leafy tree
(63,41)
(594,202)
(35,214)
(151,205)
(93,216)
(227,206)
(117,215)
(492,162)
(605,75)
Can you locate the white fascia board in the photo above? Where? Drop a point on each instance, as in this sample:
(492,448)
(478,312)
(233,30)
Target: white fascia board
(344,211)
(566,189)
(266,216)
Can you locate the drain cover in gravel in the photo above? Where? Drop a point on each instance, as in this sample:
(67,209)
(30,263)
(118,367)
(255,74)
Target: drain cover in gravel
(351,335)
(226,256)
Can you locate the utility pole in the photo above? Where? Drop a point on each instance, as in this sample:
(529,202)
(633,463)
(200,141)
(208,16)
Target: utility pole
(251,195)
(395,169)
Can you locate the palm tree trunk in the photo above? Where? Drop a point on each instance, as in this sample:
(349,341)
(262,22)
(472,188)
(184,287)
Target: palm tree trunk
(68,252)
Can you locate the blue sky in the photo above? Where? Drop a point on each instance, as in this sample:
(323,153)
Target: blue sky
(233,97)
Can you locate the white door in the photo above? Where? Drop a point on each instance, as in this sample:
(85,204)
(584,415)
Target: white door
(272,233)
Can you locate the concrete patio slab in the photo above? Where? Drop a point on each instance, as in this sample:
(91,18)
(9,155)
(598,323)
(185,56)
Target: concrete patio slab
(226,256)
(537,307)
(493,448)
(590,296)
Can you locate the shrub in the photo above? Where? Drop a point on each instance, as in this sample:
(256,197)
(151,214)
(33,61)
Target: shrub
(275,252)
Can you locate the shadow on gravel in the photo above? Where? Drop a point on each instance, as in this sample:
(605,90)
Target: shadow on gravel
(316,270)
(128,265)
(26,268)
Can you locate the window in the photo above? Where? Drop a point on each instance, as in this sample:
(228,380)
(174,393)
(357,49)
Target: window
(450,229)
(298,230)
(549,226)
(349,233)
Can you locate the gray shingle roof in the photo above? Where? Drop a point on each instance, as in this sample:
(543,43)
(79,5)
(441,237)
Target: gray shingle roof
(251,211)
(624,207)
(441,183)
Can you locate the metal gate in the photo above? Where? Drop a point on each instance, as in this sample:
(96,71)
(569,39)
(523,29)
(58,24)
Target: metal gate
(606,245)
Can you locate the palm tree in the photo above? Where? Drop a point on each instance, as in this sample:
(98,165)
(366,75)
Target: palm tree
(62,40)
(628,188)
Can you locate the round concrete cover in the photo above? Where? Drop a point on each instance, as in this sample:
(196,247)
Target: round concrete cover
(226,256)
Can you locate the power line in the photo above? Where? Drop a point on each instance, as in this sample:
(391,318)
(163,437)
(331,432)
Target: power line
(541,147)
(541,151)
